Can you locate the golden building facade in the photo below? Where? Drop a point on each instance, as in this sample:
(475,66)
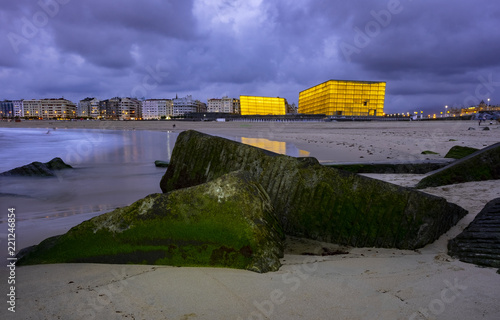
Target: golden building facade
(344,98)
(250,105)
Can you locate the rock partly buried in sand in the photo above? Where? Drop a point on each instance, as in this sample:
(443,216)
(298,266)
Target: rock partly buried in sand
(429,152)
(38,169)
(479,243)
(225,223)
(479,166)
(459,152)
(317,202)
(161,164)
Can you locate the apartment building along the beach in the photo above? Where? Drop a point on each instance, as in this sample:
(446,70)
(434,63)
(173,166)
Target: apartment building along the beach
(157,109)
(89,107)
(344,98)
(120,109)
(6,109)
(224,105)
(109,108)
(184,105)
(49,108)
(252,105)
(201,106)
(130,109)
(18,108)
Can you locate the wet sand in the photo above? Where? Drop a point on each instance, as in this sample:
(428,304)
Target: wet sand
(366,283)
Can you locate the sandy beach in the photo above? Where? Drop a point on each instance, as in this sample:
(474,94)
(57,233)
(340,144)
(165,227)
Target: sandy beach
(365,283)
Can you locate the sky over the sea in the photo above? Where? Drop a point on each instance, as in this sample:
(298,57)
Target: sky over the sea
(431,53)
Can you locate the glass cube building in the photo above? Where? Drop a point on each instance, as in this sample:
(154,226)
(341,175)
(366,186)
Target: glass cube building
(250,105)
(344,98)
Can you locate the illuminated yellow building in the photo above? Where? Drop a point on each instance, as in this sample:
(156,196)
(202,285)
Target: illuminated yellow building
(250,105)
(344,98)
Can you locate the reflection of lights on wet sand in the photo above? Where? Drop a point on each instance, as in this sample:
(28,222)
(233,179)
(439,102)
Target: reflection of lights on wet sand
(275,146)
(303,153)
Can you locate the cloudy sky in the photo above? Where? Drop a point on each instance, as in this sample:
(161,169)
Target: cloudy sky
(431,53)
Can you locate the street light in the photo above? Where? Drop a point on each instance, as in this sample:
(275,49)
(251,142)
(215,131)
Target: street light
(488,102)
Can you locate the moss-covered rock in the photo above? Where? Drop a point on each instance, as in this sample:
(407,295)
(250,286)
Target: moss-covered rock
(314,201)
(429,152)
(479,166)
(459,152)
(225,223)
(38,169)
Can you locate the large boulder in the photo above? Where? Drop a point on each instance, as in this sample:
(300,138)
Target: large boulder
(38,169)
(227,223)
(479,243)
(314,201)
(481,165)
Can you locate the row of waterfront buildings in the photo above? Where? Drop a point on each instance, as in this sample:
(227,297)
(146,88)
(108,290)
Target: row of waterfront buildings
(331,98)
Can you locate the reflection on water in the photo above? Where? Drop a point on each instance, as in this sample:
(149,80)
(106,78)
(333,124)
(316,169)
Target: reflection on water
(111,169)
(275,146)
(83,147)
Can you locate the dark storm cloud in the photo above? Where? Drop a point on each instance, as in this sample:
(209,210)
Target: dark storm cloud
(430,52)
(447,36)
(104,32)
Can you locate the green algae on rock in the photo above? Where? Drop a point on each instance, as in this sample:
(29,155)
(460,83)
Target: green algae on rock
(314,201)
(459,152)
(225,223)
(479,166)
(429,152)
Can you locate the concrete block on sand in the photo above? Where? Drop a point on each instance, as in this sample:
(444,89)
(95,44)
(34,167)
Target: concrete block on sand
(479,243)
(479,166)
(314,201)
(227,222)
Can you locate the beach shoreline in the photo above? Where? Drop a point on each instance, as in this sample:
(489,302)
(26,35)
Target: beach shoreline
(339,142)
(366,283)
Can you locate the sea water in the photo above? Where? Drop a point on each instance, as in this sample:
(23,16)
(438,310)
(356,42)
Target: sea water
(112,168)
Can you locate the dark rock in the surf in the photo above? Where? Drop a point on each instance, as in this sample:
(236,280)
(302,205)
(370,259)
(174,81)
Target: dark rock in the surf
(161,164)
(479,166)
(39,169)
(314,201)
(228,222)
(479,243)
